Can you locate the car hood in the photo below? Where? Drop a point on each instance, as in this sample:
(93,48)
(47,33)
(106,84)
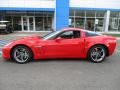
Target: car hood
(30,40)
(31,37)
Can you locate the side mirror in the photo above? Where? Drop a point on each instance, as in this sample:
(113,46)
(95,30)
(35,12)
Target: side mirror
(58,39)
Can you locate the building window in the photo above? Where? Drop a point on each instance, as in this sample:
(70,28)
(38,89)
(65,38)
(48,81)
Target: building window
(90,13)
(114,14)
(17,23)
(47,22)
(114,22)
(71,22)
(43,21)
(79,22)
(77,18)
(80,13)
(90,19)
(39,23)
(100,13)
(90,22)
(29,21)
(99,24)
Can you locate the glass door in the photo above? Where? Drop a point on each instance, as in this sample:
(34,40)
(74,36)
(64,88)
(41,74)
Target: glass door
(28,23)
(119,24)
(31,23)
(24,24)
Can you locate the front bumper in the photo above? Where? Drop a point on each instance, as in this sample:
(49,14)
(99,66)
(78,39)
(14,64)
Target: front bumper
(6,52)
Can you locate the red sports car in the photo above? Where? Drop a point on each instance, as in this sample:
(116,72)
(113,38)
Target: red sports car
(66,43)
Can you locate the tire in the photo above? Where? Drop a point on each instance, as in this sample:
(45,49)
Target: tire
(97,54)
(11,31)
(6,32)
(21,54)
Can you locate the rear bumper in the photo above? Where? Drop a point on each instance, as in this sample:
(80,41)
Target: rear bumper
(112,47)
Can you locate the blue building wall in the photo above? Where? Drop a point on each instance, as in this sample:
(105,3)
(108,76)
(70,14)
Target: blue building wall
(62,14)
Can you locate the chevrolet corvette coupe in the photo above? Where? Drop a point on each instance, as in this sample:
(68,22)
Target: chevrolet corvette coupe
(66,43)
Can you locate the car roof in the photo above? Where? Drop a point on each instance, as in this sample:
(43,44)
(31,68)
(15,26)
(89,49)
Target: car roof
(79,29)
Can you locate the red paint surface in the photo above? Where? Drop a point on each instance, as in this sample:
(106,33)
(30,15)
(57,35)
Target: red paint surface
(64,48)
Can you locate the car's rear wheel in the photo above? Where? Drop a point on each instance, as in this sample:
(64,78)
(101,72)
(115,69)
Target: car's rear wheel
(97,54)
(21,54)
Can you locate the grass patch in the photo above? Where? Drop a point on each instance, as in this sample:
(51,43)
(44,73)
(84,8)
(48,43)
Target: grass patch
(115,35)
(0,53)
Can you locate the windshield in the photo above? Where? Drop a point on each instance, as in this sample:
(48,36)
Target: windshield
(51,35)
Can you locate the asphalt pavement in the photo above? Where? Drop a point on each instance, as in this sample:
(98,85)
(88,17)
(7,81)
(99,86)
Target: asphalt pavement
(61,74)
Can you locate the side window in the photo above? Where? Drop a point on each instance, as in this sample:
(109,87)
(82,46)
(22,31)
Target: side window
(76,34)
(70,34)
(67,35)
(89,34)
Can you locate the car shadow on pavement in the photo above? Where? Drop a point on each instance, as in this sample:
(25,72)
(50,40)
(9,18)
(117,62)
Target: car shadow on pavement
(50,60)
(70,60)
(60,60)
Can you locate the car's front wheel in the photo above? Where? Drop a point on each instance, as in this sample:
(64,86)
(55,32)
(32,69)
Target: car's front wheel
(97,54)
(21,54)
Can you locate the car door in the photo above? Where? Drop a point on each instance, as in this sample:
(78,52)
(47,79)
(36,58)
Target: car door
(68,46)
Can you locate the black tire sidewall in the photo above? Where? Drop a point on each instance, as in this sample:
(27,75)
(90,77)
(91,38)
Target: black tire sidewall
(28,50)
(89,54)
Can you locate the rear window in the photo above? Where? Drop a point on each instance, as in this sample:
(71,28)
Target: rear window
(90,34)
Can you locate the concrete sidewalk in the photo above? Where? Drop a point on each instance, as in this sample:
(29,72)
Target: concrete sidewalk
(18,33)
(25,34)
